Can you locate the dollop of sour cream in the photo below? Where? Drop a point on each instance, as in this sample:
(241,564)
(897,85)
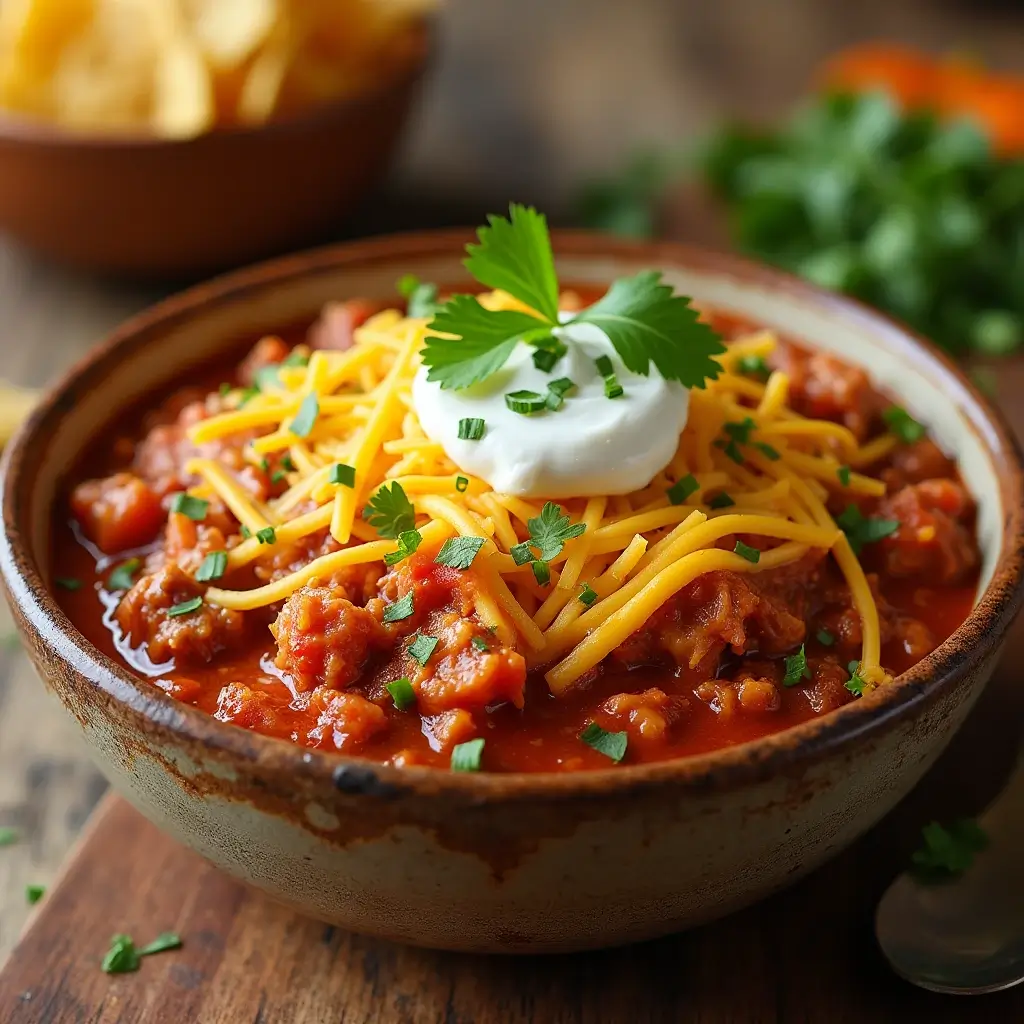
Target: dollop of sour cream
(592,445)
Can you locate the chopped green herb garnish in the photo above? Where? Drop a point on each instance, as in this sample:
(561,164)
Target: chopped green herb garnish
(721,500)
(267,378)
(861,530)
(545,359)
(406,285)
(265,465)
(740,431)
(525,402)
(224,389)
(747,552)
(754,366)
(588,595)
(185,608)
(557,390)
(551,529)
(767,451)
(855,684)
(471,428)
(287,463)
(796,668)
(521,553)
(612,387)
(604,366)
(402,693)
(68,582)
(214,565)
(161,944)
(843,472)
(611,744)
(194,508)
(459,552)
(268,535)
(466,756)
(408,542)
(344,476)
(8,836)
(122,956)
(422,647)
(420,296)
(541,572)
(902,425)
(732,450)
(398,610)
(480,643)
(947,851)
(123,577)
(390,512)
(683,489)
(461,483)
(304,420)
(277,476)
(34,893)
(295,359)
(825,637)
(244,531)
(245,395)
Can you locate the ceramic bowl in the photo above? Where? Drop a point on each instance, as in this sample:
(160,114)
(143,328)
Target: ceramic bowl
(511,863)
(150,208)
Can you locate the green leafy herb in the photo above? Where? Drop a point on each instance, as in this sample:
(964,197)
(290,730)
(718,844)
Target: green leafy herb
(466,756)
(287,463)
(185,608)
(459,552)
(902,425)
(161,944)
(400,609)
(194,508)
(825,637)
(612,387)
(471,428)
(244,532)
(277,476)
(947,851)
(213,567)
(861,530)
(767,451)
(267,378)
(422,647)
(304,420)
(551,529)
(754,366)
(525,402)
(34,893)
(855,684)
(122,957)
(296,359)
(68,582)
(721,500)
(123,577)
(843,472)
(8,836)
(480,643)
(796,668)
(604,366)
(344,476)
(740,431)
(588,595)
(541,572)
(732,450)
(461,484)
(683,489)
(547,355)
(747,552)
(611,744)
(557,390)
(390,512)
(402,693)
(521,553)
(268,535)
(420,296)
(408,542)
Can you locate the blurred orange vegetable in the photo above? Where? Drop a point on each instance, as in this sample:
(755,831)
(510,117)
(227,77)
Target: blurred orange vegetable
(950,86)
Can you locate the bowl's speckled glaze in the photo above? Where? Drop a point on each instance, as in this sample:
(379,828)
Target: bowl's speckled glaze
(510,863)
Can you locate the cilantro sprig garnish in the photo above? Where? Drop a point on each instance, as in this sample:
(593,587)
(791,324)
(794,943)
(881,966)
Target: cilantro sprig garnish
(861,529)
(645,322)
(390,512)
(947,851)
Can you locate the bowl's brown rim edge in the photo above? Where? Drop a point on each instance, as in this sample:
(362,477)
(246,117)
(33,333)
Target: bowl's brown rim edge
(784,753)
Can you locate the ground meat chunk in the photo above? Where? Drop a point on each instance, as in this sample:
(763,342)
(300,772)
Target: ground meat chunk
(913,463)
(246,707)
(826,689)
(647,716)
(194,637)
(268,351)
(324,639)
(187,542)
(933,541)
(335,329)
(720,696)
(449,729)
(118,512)
(346,720)
(822,387)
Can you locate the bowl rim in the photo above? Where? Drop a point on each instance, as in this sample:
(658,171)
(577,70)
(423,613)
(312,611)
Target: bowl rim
(42,619)
(16,127)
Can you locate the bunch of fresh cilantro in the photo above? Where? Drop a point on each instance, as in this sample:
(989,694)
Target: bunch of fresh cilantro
(911,215)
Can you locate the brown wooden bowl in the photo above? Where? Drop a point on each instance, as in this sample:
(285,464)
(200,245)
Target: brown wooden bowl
(145,207)
(510,863)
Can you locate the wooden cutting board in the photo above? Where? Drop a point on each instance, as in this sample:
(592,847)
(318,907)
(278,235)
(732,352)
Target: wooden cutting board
(806,955)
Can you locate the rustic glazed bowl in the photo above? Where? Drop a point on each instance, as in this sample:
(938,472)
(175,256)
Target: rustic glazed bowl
(149,208)
(510,863)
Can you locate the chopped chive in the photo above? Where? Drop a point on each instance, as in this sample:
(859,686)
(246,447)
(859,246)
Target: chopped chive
(34,893)
(740,430)
(732,451)
(277,476)
(68,582)
(471,429)
(459,552)
(185,608)
(122,957)
(244,532)
(525,402)
(288,463)
(682,489)
(544,359)
(343,475)
(752,555)
(541,572)
(611,744)
(861,529)
(422,647)
(604,366)
(400,609)
(466,756)
(123,577)
(402,693)
(557,390)
(161,944)
(304,420)
(588,595)
(461,483)
(767,451)
(825,637)
(194,508)
(480,643)
(721,500)
(268,535)
(521,553)
(902,425)
(796,668)
(215,564)
(843,472)
(612,387)
(265,465)
(753,366)
(408,542)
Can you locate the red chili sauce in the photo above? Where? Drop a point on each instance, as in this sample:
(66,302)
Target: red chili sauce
(313,669)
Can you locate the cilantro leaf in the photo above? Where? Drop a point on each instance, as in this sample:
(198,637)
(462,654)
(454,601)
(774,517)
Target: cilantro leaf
(947,851)
(796,668)
(861,530)
(647,324)
(390,512)
(408,542)
(611,744)
(481,342)
(515,255)
(551,529)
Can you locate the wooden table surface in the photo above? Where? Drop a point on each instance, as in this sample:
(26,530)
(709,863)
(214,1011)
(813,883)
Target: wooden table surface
(529,98)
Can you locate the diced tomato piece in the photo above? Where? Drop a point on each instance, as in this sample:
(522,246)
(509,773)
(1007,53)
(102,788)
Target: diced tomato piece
(118,512)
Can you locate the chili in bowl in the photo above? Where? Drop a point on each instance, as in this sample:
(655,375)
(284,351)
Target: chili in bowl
(561,638)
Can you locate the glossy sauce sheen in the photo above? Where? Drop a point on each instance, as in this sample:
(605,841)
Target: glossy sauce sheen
(543,735)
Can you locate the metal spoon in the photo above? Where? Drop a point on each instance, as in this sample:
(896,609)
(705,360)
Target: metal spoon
(965,936)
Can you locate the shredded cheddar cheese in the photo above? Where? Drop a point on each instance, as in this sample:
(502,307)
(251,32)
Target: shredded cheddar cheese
(637,550)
